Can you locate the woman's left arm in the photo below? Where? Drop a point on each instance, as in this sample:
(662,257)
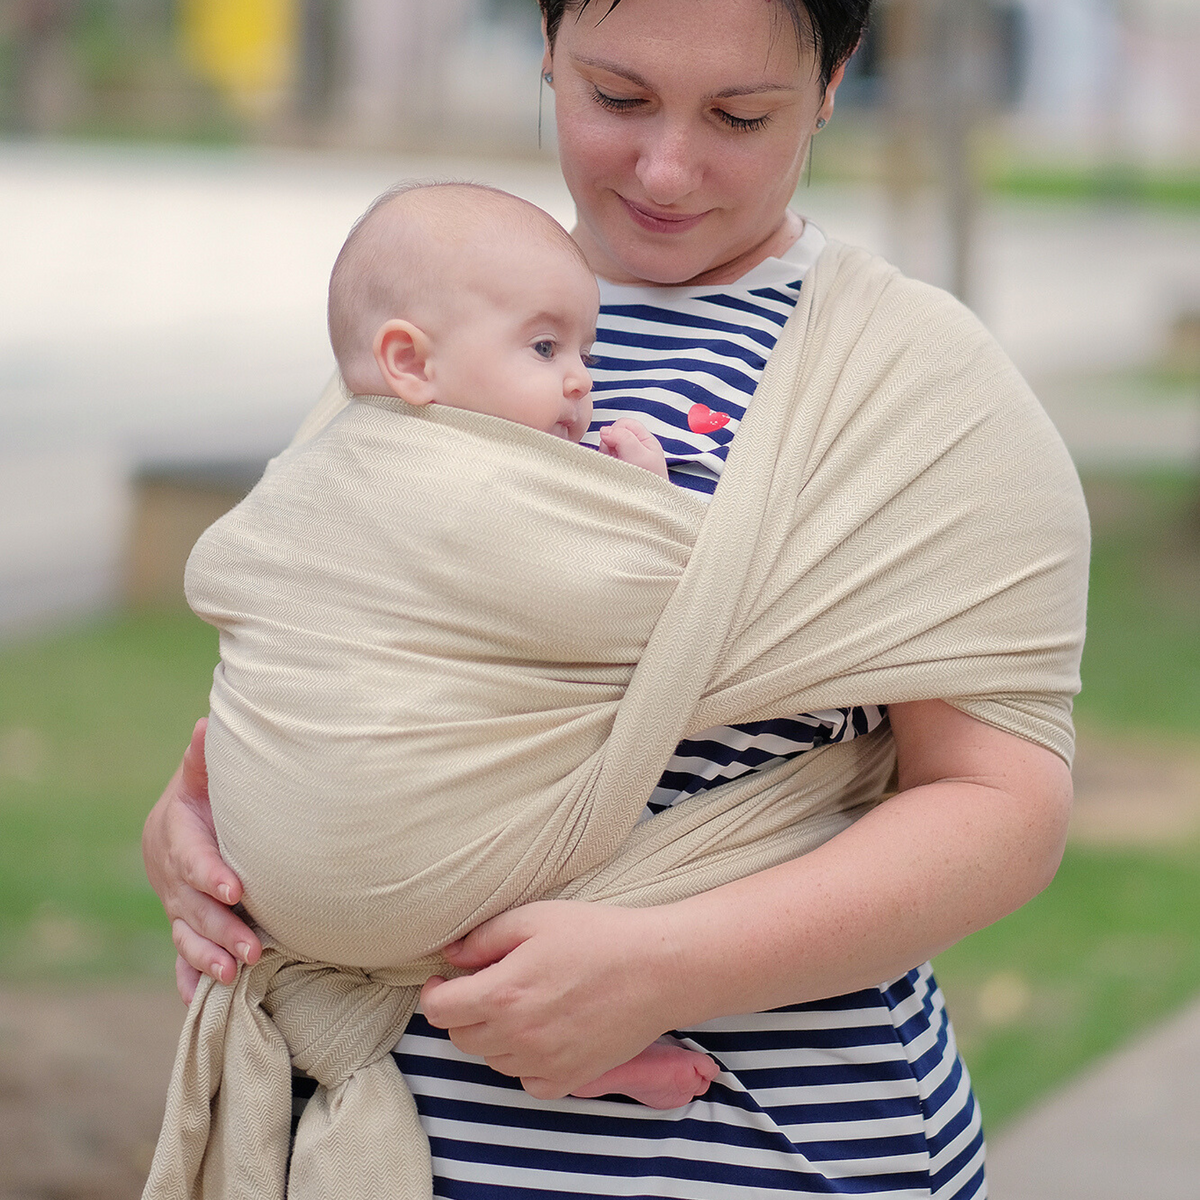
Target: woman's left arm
(563,991)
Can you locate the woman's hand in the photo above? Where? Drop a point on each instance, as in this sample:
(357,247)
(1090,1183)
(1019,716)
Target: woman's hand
(196,887)
(562,992)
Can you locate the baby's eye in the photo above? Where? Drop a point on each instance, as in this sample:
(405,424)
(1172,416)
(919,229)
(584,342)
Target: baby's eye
(544,348)
(590,360)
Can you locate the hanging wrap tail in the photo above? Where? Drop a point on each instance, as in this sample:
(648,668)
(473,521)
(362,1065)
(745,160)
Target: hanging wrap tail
(897,521)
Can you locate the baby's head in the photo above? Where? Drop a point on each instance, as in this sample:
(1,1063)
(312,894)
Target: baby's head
(463,295)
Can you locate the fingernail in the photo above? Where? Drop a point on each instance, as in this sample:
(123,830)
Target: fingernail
(226,893)
(216,972)
(243,951)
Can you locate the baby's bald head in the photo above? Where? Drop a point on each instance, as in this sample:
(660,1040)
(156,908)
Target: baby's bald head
(411,254)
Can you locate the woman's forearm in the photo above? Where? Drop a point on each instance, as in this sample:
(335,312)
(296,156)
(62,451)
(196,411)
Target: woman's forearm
(564,990)
(913,877)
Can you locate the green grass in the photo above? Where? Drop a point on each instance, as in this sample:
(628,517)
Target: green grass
(1112,946)
(92,723)
(1141,665)
(1112,184)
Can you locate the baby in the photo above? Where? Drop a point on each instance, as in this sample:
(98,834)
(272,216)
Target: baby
(464,296)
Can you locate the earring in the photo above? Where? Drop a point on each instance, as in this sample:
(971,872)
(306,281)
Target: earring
(821,122)
(548,77)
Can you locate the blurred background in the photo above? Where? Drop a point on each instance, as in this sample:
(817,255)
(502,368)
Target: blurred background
(175,179)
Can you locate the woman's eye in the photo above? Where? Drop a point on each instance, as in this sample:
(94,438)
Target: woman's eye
(544,348)
(745,124)
(615,103)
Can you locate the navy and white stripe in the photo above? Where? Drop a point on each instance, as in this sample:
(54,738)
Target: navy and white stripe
(718,755)
(859,1095)
(688,352)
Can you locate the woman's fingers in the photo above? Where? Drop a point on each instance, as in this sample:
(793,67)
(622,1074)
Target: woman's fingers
(205,956)
(486,944)
(186,979)
(194,776)
(441,1008)
(541,1089)
(218,924)
(195,859)
(185,868)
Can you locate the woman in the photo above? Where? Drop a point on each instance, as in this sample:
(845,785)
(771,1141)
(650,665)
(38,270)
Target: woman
(682,127)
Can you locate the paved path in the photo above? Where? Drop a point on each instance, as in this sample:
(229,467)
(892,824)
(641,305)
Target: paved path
(1128,1130)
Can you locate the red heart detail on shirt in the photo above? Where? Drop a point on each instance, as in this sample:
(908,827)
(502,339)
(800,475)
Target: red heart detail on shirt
(702,419)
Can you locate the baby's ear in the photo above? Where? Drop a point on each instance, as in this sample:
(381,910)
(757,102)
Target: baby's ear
(402,354)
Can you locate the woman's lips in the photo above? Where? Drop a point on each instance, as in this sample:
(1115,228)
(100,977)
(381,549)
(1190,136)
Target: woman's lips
(660,222)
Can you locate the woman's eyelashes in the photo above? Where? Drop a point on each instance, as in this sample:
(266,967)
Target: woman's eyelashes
(615,103)
(629,103)
(746,124)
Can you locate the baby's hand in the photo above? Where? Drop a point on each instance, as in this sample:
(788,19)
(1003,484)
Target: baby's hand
(632,442)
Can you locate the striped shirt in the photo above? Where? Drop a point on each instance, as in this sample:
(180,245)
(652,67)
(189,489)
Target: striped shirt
(685,362)
(863,1094)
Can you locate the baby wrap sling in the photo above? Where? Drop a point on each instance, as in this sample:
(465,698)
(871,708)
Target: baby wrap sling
(509,635)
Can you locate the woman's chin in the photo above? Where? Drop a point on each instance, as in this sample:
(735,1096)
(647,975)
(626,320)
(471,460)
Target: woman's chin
(659,266)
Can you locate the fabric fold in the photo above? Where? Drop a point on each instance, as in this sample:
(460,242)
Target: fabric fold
(499,638)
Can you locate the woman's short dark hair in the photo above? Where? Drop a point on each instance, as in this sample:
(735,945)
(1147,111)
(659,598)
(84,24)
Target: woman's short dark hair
(832,27)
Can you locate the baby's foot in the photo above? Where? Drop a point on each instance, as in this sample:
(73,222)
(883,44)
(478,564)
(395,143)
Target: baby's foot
(664,1075)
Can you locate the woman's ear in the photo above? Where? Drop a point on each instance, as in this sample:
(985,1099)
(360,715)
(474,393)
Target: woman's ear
(835,81)
(547,59)
(402,353)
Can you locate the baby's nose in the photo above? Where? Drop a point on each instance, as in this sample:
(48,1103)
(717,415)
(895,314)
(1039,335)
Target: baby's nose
(578,382)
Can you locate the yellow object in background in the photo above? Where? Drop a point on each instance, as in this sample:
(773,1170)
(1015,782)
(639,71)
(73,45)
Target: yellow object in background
(246,48)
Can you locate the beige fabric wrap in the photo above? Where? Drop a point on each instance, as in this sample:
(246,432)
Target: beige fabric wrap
(447,610)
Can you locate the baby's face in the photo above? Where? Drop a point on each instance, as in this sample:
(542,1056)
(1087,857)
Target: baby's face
(518,341)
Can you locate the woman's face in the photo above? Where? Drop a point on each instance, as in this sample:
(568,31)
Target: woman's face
(682,130)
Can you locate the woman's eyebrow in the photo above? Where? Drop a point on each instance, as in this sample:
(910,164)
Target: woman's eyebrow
(612,68)
(724,94)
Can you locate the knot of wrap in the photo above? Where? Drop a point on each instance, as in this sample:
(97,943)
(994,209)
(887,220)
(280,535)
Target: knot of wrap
(359,1134)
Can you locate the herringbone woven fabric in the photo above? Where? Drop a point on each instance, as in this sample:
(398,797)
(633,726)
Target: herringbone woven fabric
(456,655)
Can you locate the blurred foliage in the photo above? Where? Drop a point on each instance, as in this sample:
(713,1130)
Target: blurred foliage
(115,71)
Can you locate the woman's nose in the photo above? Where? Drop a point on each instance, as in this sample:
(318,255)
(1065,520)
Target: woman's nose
(668,166)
